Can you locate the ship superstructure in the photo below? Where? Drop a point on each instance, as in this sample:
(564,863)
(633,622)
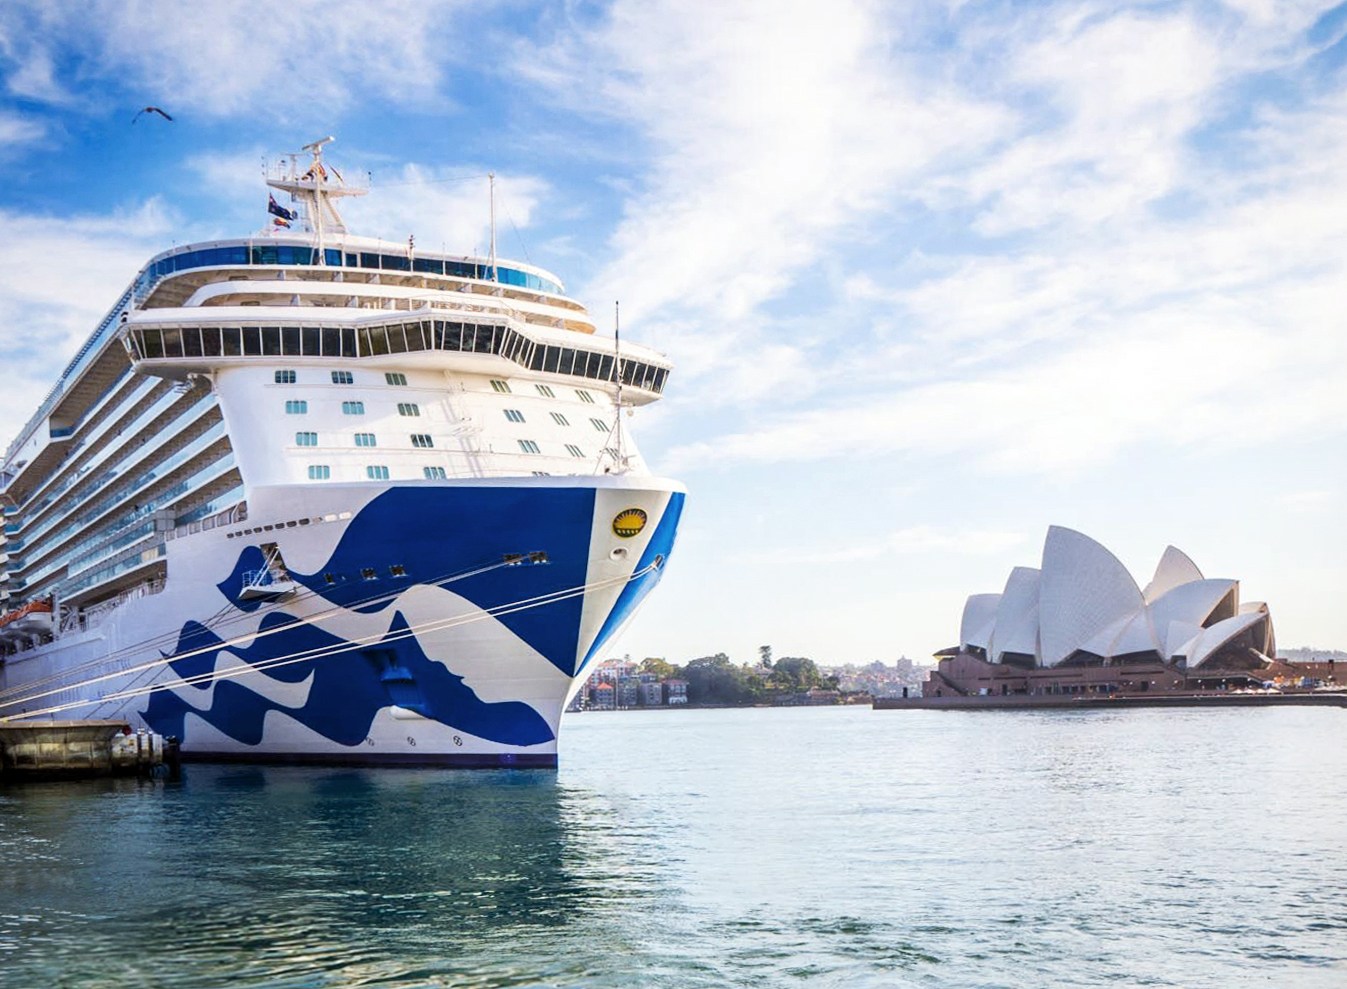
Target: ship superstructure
(314,496)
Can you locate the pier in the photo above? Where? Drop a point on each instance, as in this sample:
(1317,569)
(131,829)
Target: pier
(45,750)
(1076,702)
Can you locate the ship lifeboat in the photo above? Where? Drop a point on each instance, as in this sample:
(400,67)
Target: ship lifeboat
(33,617)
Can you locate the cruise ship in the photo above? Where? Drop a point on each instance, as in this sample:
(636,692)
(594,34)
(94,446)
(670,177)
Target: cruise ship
(309,496)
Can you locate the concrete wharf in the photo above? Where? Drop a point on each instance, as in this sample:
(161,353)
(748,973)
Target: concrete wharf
(43,750)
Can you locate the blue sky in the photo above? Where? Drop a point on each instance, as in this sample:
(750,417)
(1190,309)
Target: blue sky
(933,275)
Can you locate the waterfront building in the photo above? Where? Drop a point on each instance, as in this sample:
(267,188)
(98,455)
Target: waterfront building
(1080,623)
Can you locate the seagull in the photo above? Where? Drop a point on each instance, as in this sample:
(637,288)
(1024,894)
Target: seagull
(152,109)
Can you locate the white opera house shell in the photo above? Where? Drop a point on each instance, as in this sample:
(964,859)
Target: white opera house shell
(1082,608)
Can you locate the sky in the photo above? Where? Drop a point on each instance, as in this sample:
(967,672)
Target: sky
(933,275)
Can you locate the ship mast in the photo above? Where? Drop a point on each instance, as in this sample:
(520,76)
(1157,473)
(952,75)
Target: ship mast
(316,192)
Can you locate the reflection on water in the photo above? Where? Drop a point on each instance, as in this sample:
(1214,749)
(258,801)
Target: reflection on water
(832,847)
(273,875)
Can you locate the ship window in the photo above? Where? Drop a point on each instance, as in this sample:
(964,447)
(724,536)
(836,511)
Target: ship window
(296,406)
(172,343)
(306,439)
(545,391)
(397,570)
(395,378)
(368,573)
(342,378)
(365,439)
(453,336)
(331,341)
(348,345)
(540,473)
(312,340)
(330,578)
(553,359)
(233,341)
(422,440)
(567,364)
(252,341)
(574,450)
(290,341)
(599,424)
(585,396)
(501,386)
(284,377)
(210,341)
(605,372)
(271,341)
(434,473)
(514,415)
(152,342)
(528,446)
(353,408)
(408,409)
(319,472)
(376,472)
(560,419)
(397,340)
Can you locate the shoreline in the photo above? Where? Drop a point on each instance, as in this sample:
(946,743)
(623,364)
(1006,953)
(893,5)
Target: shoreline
(998,702)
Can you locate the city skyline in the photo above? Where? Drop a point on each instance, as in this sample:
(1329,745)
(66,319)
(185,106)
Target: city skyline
(932,279)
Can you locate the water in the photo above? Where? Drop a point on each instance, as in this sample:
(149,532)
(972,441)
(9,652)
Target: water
(791,847)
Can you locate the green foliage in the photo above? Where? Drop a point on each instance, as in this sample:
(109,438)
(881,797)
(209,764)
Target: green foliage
(715,680)
(796,674)
(660,668)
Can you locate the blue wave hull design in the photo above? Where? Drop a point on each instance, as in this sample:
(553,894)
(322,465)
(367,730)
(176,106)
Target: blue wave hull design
(455,537)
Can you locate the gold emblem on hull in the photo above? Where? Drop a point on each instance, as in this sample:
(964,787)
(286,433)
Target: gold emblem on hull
(629,522)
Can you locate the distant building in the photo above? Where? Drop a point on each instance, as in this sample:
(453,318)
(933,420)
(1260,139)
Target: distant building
(628,692)
(602,697)
(652,693)
(675,692)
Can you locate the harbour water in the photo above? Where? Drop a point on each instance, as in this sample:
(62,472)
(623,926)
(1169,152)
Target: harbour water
(810,847)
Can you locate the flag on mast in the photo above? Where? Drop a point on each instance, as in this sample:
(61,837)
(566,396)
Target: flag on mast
(276,209)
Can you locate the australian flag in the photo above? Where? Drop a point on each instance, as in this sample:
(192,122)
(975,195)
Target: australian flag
(276,209)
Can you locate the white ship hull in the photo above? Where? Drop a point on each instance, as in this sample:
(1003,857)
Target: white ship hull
(438,622)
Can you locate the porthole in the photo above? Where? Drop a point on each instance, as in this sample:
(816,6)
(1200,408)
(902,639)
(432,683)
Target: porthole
(618,553)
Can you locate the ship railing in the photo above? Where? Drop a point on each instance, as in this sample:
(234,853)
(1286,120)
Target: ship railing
(83,619)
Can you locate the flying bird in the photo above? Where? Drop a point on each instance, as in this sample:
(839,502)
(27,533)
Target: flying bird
(151,109)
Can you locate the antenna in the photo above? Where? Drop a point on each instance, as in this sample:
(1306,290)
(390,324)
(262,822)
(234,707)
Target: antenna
(491,176)
(617,448)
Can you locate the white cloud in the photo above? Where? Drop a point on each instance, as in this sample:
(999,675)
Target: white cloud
(45,315)
(302,56)
(911,541)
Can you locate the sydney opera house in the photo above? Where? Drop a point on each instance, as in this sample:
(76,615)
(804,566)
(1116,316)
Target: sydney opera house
(1080,623)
